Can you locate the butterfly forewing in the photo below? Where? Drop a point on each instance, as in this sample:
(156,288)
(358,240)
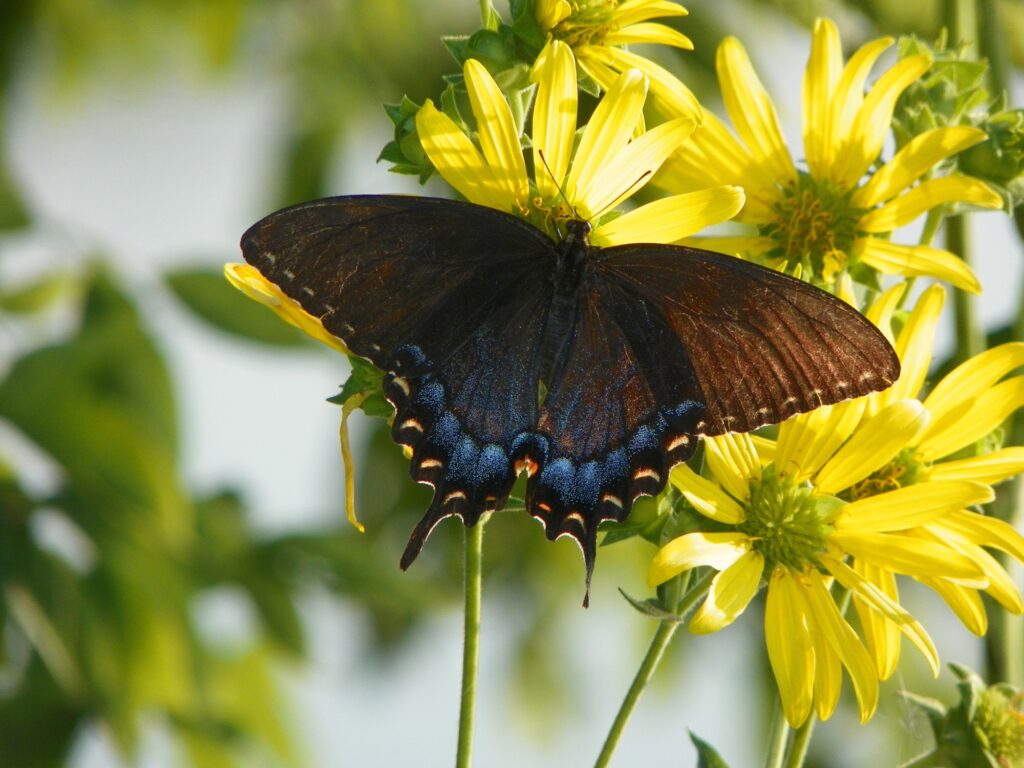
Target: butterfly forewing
(764,346)
(450,299)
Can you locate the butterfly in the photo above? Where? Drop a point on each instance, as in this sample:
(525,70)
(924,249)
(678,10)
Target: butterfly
(594,370)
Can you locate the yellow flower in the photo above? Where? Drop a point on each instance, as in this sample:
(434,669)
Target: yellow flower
(610,163)
(824,221)
(854,494)
(597,30)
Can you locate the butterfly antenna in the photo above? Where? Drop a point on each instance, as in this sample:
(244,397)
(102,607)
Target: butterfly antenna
(558,186)
(625,193)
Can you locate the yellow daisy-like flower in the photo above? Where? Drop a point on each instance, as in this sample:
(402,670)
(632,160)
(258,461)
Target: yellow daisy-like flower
(824,221)
(597,30)
(610,163)
(854,494)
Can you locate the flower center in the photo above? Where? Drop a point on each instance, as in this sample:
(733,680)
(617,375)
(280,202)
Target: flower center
(788,522)
(814,226)
(904,469)
(588,24)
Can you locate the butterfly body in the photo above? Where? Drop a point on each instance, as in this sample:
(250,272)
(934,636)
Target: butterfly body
(593,370)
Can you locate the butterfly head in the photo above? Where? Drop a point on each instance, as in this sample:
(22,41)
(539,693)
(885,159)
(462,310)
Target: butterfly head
(577,231)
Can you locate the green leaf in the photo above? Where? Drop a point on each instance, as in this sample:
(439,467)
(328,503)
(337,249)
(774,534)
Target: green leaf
(37,295)
(365,380)
(101,405)
(652,608)
(213,299)
(707,756)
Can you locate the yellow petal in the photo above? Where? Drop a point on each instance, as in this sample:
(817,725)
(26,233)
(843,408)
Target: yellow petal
(717,550)
(752,112)
(844,290)
(622,174)
(706,497)
(972,378)
(844,641)
(1000,586)
(878,600)
(610,129)
(987,531)
(849,93)
(988,468)
(820,79)
(714,156)
(911,506)
(458,160)
(731,592)
(790,649)
(635,11)
(915,261)
(966,603)
(927,195)
(671,219)
(649,33)
(874,119)
(914,348)
(828,676)
(765,449)
(910,555)
(668,95)
(881,636)
(914,160)
(880,311)
(253,284)
(554,117)
(550,13)
(989,410)
(740,246)
(496,129)
(733,461)
(808,441)
(873,445)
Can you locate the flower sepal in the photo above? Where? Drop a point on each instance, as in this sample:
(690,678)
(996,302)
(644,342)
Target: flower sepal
(404,152)
(986,727)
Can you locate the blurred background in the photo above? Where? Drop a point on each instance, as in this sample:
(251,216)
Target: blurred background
(178,585)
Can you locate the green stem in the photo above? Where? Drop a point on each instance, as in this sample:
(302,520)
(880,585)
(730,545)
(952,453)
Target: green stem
(970,337)
(931,227)
(931,759)
(666,630)
(471,644)
(780,736)
(801,741)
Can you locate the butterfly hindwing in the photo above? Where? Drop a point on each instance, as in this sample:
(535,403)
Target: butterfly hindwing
(622,409)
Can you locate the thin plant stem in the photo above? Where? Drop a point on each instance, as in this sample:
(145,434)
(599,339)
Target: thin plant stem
(970,337)
(780,737)
(931,227)
(471,642)
(666,630)
(801,741)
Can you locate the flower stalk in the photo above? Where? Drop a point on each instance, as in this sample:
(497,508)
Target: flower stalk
(659,643)
(471,642)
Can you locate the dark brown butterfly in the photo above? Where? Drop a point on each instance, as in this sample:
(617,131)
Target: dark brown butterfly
(594,370)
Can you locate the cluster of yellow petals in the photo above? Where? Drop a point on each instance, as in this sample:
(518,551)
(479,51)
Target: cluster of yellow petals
(844,130)
(925,529)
